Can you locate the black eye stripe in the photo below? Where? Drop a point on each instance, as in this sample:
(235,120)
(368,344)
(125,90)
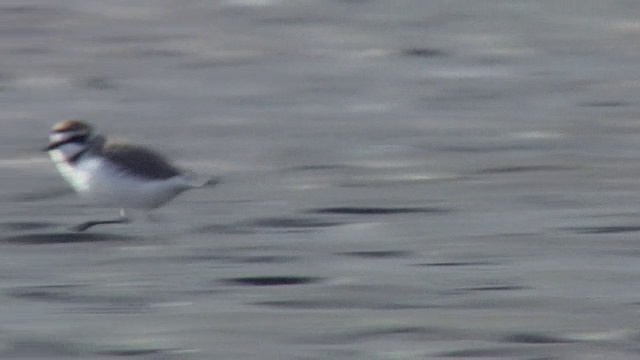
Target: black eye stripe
(76,138)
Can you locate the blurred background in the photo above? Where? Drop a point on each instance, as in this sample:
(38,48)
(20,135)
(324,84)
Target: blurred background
(403,179)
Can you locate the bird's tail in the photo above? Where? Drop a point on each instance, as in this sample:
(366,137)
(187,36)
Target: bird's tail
(212,181)
(197,182)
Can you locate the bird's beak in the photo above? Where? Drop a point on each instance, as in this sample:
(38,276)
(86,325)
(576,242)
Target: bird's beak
(49,147)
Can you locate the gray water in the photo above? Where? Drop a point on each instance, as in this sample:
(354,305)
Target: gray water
(401,180)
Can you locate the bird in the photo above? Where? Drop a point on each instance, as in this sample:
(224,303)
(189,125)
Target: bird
(115,174)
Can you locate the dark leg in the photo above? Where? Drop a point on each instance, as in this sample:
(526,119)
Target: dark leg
(123,219)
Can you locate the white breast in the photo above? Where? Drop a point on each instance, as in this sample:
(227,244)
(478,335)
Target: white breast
(102,183)
(78,179)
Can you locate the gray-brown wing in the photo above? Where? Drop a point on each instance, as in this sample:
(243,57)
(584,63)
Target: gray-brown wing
(139,161)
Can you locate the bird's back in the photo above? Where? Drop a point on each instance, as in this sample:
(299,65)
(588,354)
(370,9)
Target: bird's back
(138,161)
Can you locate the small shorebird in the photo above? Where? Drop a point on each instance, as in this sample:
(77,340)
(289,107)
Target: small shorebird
(114,174)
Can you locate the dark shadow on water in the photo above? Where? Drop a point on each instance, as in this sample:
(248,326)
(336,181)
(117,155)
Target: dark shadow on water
(482,148)
(614,229)
(271,280)
(356,210)
(45,293)
(495,288)
(321,167)
(408,333)
(533,338)
(237,259)
(522,168)
(26,225)
(328,304)
(130,352)
(84,298)
(492,353)
(457,263)
(58,348)
(62,238)
(605,104)
(24,9)
(285,222)
(384,254)
(423,52)
(223,229)
(97,83)
(259,224)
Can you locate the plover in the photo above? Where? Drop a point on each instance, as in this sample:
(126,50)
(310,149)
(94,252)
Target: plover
(114,174)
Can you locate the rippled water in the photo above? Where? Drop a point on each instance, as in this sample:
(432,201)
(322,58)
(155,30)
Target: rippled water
(401,180)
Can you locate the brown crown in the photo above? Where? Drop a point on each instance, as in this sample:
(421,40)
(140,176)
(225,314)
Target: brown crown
(72,125)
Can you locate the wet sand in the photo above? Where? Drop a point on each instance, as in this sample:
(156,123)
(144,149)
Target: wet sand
(402,180)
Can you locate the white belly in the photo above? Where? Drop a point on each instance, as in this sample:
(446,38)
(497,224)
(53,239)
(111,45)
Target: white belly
(104,185)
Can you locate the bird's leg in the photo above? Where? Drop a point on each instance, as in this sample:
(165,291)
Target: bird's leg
(123,219)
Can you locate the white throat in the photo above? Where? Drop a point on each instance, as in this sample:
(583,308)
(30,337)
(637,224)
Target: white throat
(64,153)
